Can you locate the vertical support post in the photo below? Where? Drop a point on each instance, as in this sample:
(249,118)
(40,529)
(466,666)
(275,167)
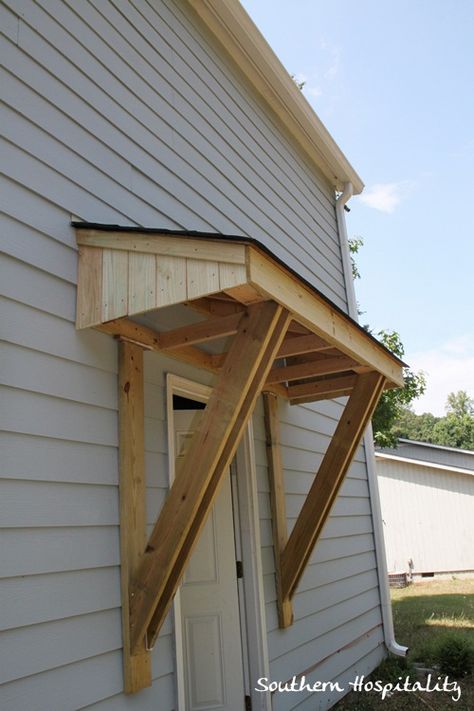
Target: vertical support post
(136,667)
(277,496)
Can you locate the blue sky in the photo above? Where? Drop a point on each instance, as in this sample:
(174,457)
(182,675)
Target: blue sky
(394,84)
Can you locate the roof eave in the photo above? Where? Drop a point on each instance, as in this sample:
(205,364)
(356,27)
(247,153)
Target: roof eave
(245,45)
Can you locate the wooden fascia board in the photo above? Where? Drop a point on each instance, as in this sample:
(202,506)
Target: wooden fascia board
(164,244)
(276,283)
(244,44)
(326,485)
(239,383)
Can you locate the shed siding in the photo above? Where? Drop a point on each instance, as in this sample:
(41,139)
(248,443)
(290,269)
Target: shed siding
(125,113)
(419,505)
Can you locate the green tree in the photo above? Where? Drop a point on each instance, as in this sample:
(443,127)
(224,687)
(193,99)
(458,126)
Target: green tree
(393,402)
(459,404)
(417,427)
(455,431)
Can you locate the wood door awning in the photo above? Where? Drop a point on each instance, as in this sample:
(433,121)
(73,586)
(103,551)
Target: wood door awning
(126,272)
(261,328)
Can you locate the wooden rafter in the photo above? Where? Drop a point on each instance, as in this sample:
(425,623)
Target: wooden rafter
(209,330)
(299,371)
(302,344)
(239,383)
(277,495)
(149,339)
(137,668)
(329,478)
(323,389)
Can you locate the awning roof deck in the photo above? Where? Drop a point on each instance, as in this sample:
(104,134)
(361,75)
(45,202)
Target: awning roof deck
(125,273)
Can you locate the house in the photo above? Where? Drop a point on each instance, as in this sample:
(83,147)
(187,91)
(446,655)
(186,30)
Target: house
(426,493)
(180,356)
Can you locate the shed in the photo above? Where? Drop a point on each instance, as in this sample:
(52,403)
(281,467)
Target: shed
(426,496)
(187,505)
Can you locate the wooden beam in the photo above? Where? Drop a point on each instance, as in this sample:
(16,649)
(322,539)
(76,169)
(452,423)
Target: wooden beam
(324,388)
(200,332)
(166,546)
(325,366)
(302,344)
(277,494)
(211,306)
(150,339)
(136,667)
(210,249)
(275,282)
(212,489)
(329,478)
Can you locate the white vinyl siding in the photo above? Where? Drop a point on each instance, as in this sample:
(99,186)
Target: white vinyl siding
(125,113)
(337,601)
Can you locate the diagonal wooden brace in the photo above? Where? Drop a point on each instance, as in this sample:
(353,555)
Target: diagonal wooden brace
(261,331)
(329,478)
(222,466)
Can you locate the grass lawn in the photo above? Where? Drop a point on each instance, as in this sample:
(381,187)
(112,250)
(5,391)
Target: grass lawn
(424,615)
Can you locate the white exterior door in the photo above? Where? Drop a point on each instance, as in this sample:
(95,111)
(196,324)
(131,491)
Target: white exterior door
(213,666)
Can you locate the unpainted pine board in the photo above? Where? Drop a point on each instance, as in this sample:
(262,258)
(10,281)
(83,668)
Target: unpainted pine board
(114,284)
(299,371)
(222,466)
(320,317)
(232,275)
(150,339)
(141,282)
(89,287)
(207,330)
(298,345)
(277,496)
(136,667)
(332,470)
(202,278)
(165,245)
(327,388)
(170,280)
(184,500)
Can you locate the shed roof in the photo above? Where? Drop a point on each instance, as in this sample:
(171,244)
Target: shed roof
(126,272)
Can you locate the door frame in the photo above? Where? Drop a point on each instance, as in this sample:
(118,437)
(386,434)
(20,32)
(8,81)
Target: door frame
(248,529)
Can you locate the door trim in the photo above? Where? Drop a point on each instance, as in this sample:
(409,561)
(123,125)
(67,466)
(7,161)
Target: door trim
(249,528)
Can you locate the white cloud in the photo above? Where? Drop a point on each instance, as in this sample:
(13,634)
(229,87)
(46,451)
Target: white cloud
(385,196)
(313,91)
(448,368)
